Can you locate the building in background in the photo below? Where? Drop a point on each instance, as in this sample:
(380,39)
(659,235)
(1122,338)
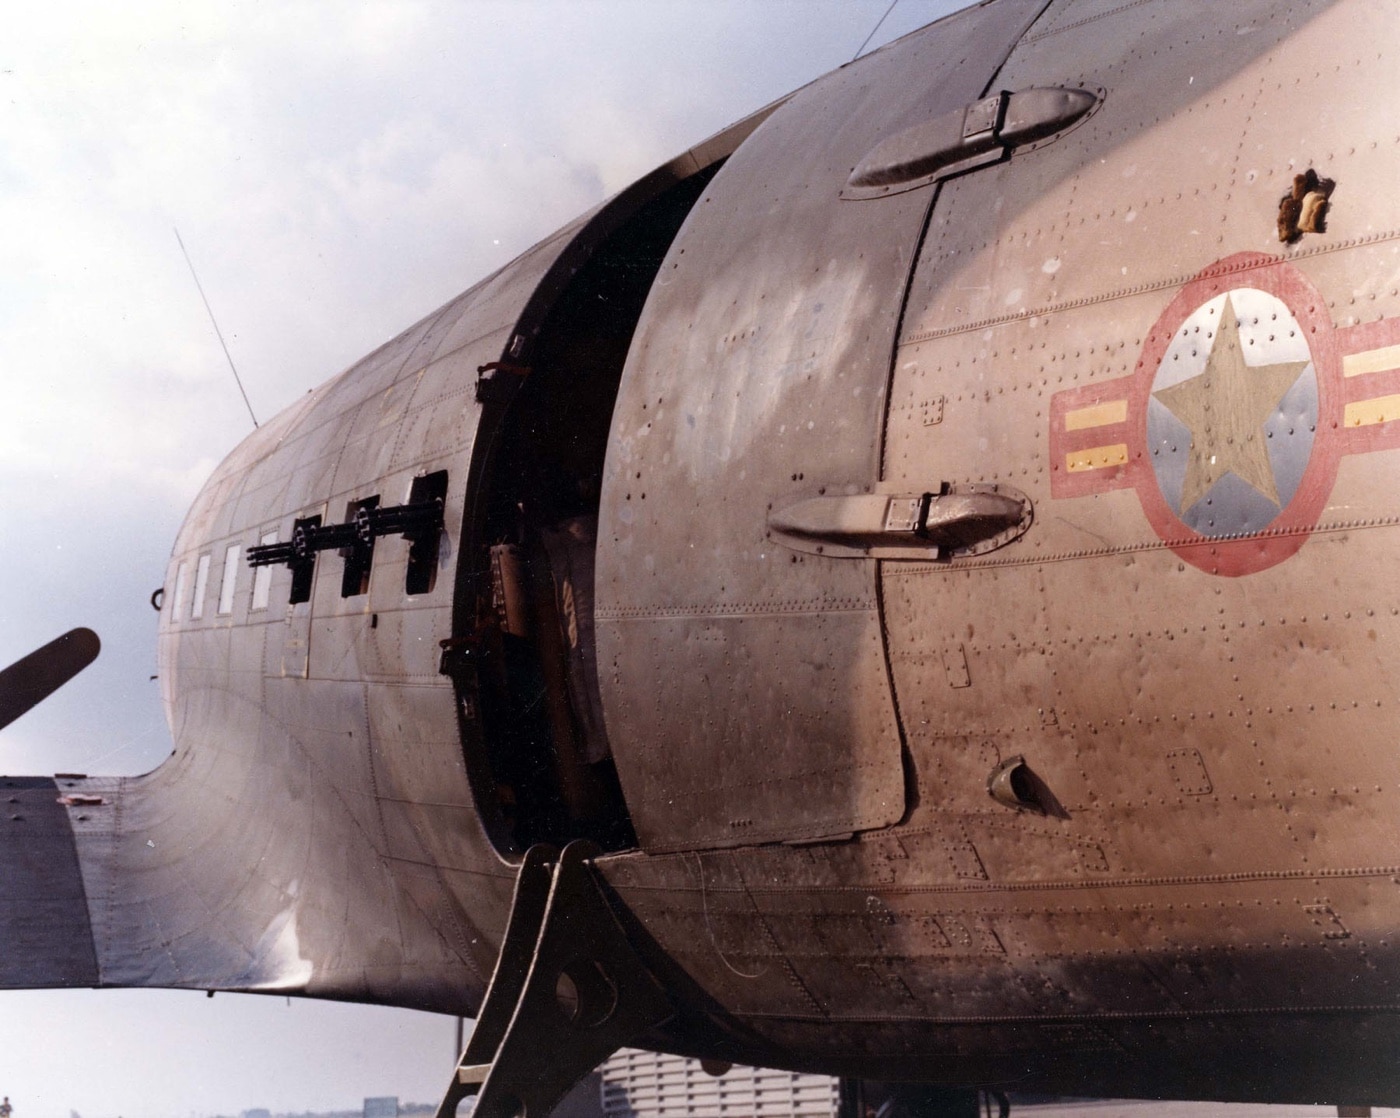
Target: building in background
(385,1106)
(651,1085)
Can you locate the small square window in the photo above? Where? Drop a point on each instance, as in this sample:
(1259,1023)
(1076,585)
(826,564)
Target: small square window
(182,580)
(230,579)
(201,584)
(262,577)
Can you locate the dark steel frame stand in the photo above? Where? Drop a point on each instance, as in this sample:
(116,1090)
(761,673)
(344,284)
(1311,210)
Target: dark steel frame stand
(568,991)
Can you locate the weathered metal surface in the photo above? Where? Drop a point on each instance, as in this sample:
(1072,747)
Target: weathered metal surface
(315,831)
(324,727)
(1187,888)
(1098,617)
(1188,900)
(745,689)
(318,783)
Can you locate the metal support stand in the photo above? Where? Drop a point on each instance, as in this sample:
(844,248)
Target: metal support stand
(568,991)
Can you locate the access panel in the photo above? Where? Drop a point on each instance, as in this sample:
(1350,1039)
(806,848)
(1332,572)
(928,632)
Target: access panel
(744,680)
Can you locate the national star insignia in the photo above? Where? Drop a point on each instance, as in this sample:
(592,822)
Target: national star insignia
(1226,407)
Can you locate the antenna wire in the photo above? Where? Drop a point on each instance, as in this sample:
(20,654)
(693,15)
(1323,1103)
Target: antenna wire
(220,334)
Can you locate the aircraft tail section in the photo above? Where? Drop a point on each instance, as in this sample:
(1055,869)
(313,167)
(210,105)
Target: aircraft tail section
(223,870)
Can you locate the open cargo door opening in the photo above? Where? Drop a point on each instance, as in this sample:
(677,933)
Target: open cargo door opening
(542,754)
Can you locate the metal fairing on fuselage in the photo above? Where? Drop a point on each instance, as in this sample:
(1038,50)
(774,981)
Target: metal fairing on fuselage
(1187,885)
(1202,688)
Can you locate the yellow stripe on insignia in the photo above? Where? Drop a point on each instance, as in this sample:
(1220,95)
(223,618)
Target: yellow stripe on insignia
(1364,413)
(1100,415)
(1371,361)
(1097,458)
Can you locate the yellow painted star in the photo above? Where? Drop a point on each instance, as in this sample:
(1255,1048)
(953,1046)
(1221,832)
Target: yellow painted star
(1226,407)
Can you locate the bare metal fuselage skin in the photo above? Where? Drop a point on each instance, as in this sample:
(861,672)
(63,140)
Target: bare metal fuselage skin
(785,748)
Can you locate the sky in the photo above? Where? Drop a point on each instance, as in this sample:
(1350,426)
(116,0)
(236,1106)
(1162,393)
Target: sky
(336,172)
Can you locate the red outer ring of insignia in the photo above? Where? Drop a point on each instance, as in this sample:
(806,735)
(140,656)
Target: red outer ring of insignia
(1243,555)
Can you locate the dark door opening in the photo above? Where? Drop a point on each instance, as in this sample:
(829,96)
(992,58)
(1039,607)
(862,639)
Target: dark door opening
(542,768)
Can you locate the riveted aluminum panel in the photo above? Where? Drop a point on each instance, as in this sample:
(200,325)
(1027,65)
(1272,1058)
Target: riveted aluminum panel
(315,830)
(319,785)
(1052,296)
(746,695)
(1213,910)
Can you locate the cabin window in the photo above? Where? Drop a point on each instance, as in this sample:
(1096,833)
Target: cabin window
(423,554)
(262,577)
(303,569)
(182,580)
(230,579)
(201,584)
(359,556)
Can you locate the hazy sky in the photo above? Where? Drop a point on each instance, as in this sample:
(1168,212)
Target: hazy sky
(336,171)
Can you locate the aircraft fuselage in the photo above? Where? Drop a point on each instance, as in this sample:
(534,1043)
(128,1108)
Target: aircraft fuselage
(956,597)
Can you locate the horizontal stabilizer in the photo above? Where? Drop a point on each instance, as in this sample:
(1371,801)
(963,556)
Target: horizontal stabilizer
(29,681)
(44,925)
